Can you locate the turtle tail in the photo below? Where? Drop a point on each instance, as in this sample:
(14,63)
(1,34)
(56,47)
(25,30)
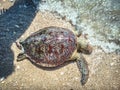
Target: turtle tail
(21,56)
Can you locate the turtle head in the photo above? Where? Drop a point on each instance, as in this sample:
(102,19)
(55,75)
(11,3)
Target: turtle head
(83,45)
(78,33)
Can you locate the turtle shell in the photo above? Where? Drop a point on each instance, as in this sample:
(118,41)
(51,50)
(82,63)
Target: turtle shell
(50,46)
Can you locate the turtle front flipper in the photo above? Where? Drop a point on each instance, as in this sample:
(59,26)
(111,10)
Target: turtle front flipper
(83,67)
(21,56)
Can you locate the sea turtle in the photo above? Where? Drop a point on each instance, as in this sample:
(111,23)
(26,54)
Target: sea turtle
(52,46)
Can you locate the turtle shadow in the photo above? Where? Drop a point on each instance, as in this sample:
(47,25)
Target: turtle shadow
(13,23)
(53,68)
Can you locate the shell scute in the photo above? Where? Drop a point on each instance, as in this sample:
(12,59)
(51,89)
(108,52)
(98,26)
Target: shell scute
(50,46)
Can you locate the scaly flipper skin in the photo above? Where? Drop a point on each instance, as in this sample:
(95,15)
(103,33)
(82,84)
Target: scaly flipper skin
(83,67)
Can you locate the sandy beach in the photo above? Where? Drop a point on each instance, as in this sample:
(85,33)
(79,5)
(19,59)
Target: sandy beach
(104,67)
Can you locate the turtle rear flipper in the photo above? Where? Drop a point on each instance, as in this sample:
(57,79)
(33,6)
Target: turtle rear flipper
(83,67)
(21,56)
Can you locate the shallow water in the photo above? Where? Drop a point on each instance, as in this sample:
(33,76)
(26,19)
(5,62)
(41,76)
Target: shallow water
(100,19)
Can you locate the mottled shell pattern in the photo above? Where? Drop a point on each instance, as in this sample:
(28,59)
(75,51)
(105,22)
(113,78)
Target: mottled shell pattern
(50,46)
